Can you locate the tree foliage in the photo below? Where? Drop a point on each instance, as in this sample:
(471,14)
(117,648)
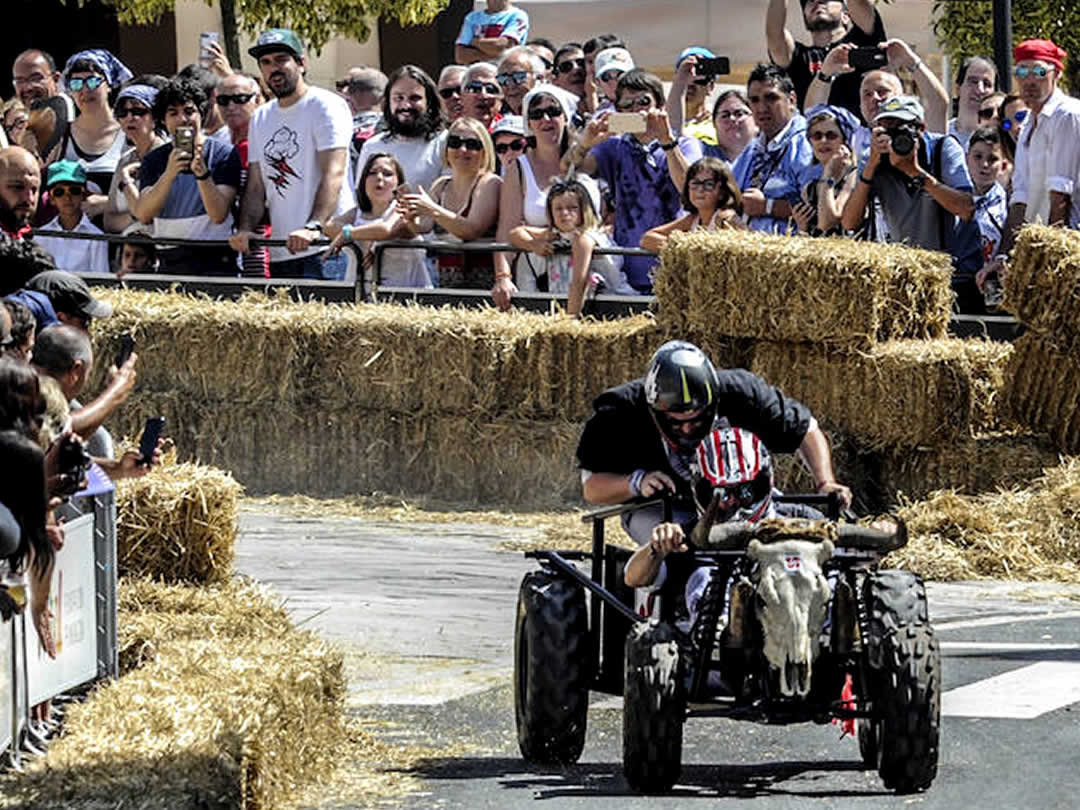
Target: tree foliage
(316,21)
(966,27)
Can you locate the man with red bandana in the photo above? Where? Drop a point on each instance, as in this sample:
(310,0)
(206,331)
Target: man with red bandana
(1048,150)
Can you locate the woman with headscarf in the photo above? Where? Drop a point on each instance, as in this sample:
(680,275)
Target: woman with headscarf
(95,139)
(134,109)
(829,180)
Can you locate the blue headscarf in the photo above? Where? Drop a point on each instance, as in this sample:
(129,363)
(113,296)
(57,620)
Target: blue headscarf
(143,93)
(114,71)
(845,119)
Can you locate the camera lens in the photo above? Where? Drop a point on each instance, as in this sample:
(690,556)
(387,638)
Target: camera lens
(902,140)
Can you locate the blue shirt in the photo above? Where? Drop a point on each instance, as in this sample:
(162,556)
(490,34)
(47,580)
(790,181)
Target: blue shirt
(513,23)
(645,196)
(775,168)
(183,216)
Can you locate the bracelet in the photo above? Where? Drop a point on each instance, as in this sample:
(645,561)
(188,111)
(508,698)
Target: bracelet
(769,202)
(667,147)
(201,177)
(346,232)
(502,276)
(862,179)
(635,482)
(821,77)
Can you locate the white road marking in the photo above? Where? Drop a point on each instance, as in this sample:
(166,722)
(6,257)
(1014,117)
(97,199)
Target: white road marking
(1007,646)
(990,621)
(1021,694)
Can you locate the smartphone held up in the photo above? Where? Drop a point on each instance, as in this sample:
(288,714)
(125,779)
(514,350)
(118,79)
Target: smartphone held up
(148,443)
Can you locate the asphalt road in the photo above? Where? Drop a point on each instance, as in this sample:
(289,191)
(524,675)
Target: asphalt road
(426,612)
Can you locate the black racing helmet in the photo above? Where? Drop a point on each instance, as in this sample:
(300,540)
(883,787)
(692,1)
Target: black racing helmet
(681,380)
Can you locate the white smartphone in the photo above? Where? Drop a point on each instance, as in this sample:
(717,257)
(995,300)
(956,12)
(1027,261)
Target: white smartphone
(620,122)
(205,38)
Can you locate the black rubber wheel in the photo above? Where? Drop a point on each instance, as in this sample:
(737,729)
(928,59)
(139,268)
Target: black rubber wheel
(893,599)
(551,668)
(908,699)
(869,750)
(654,708)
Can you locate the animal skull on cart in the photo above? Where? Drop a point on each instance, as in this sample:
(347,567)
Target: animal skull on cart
(794,597)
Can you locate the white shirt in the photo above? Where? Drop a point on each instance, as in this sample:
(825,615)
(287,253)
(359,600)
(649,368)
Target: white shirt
(1048,159)
(421,159)
(76,255)
(285,142)
(963,137)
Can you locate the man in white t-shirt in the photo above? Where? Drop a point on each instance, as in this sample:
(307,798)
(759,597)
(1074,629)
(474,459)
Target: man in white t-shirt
(298,155)
(415,134)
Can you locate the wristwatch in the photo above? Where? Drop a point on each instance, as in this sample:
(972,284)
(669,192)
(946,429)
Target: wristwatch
(821,77)
(667,147)
(313,225)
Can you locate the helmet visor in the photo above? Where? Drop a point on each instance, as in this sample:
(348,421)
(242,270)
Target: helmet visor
(684,429)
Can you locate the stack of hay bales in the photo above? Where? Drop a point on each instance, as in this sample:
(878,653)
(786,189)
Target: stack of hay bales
(226,705)
(178,523)
(461,405)
(856,331)
(1043,289)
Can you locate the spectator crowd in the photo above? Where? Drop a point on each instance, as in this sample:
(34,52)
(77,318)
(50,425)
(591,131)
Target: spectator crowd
(841,132)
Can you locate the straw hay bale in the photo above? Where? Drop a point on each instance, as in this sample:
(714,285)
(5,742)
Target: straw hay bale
(880,478)
(1044,390)
(178,523)
(153,615)
(829,291)
(1021,533)
(204,725)
(671,284)
(1042,286)
(900,394)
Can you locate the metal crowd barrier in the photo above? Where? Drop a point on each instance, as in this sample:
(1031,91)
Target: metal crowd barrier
(994,327)
(82,601)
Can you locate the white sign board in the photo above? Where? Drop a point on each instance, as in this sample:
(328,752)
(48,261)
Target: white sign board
(7,694)
(74,618)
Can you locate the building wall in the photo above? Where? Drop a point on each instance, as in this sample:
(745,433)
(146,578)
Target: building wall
(194,16)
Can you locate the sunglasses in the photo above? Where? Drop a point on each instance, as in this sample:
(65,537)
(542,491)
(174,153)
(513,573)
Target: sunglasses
(987,113)
(828,135)
(516,77)
(59,192)
(515,146)
(138,112)
(239,99)
(639,103)
(704,185)
(1019,116)
(488,88)
(568,65)
(540,113)
(1038,71)
(610,75)
(448,93)
(471,144)
(90,83)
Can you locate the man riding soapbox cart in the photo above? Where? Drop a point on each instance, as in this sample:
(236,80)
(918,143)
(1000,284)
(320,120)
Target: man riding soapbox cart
(796,623)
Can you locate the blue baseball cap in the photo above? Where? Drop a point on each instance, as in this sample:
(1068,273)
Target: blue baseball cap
(694,50)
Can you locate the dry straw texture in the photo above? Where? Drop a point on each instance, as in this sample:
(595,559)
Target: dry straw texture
(1044,390)
(1042,286)
(1028,533)
(301,357)
(977,465)
(906,393)
(216,717)
(177,524)
(828,291)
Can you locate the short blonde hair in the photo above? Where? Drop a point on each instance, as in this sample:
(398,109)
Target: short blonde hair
(478,129)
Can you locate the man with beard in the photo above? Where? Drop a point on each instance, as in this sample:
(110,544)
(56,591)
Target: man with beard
(298,155)
(20,182)
(830,23)
(415,133)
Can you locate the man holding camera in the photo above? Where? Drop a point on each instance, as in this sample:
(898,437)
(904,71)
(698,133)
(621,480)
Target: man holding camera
(924,189)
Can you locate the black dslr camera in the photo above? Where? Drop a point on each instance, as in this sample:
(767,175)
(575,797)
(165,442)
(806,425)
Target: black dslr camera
(73,462)
(903,138)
